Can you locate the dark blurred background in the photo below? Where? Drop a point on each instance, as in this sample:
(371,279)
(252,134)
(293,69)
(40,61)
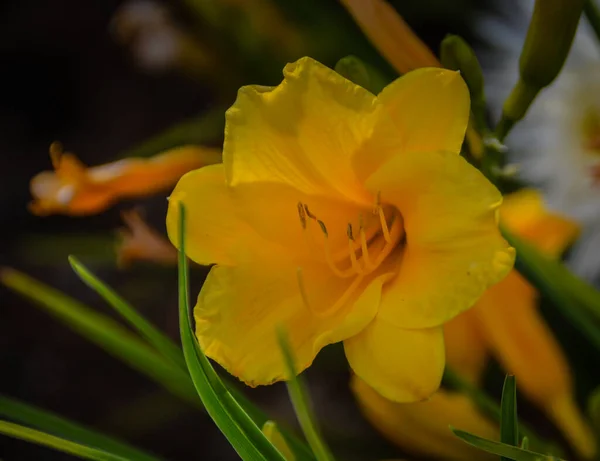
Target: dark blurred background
(67,75)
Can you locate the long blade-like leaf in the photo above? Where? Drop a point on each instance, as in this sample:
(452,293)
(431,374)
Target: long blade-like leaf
(51,441)
(301,402)
(244,435)
(61,427)
(122,344)
(500,449)
(161,342)
(492,409)
(509,423)
(105,332)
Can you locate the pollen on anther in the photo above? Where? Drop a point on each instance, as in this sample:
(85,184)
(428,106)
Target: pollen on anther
(308,213)
(323,227)
(302,215)
(349,232)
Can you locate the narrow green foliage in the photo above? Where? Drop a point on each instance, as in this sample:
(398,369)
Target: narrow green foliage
(61,427)
(509,423)
(593,410)
(122,344)
(51,441)
(244,435)
(501,449)
(301,402)
(161,342)
(489,406)
(103,331)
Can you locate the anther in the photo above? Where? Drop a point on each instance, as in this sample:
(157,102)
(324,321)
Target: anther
(302,288)
(302,215)
(349,232)
(352,251)
(308,213)
(323,228)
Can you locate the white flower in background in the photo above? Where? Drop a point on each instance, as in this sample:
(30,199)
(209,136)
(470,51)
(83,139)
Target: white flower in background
(557,145)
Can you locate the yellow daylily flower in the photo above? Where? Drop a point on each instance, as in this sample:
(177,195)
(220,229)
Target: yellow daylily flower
(140,242)
(506,317)
(341,216)
(505,323)
(74,189)
(422,428)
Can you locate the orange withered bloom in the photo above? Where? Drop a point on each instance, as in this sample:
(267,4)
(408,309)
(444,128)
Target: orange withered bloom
(74,189)
(140,242)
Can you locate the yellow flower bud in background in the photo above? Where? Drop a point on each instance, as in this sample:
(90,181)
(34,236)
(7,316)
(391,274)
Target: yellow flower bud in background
(549,38)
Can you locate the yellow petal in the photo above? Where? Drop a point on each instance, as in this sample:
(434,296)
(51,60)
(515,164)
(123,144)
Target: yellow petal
(302,133)
(251,222)
(402,365)
(453,250)
(466,347)
(240,308)
(73,189)
(391,35)
(425,110)
(525,346)
(524,213)
(216,233)
(422,428)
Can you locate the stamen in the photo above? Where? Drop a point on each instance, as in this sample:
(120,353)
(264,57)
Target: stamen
(340,273)
(342,300)
(302,287)
(379,210)
(335,306)
(352,252)
(308,213)
(364,247)
(384,226)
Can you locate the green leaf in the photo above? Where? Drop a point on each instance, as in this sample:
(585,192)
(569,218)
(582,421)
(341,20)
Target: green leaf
(161,342)
(244,435)
(509,423)
(59,426)
(577,301)
(501,449)
(51,441)
(122,344)
(301,402)
(489,406)
(103,331)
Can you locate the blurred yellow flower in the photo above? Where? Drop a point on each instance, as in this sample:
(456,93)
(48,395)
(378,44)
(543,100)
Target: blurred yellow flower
(74,189)
(504,322)
(422,427)
(341,216)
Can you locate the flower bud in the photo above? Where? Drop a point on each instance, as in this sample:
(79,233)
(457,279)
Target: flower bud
(549,38)
(456,54)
